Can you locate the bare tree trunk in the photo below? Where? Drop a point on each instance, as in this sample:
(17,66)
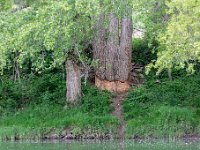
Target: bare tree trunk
(16,67)
(112,48)
(100,47)
(125,51)
(17,72)
(113,54)
(169,71)
(73,82)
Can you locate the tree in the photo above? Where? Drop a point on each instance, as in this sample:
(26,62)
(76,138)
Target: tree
(180,42)
(62,28)
(112,47)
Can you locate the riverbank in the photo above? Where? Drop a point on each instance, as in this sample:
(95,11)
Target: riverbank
(168,109)
(45,116)
(99,145)
(164,109)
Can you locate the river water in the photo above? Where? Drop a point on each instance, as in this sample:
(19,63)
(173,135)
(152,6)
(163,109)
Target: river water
(99,145)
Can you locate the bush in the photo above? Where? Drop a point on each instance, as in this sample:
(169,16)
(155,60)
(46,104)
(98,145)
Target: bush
(142,53)
(169,108)
(45,111)
(48,88)
(95,101)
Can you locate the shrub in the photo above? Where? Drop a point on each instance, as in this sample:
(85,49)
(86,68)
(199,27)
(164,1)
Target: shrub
(167,108)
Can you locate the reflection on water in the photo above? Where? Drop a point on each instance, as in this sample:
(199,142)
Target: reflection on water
(100,145)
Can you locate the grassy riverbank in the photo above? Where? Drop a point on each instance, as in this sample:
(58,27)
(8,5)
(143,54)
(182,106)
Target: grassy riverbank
(165,109)
(46,121)
(44,113)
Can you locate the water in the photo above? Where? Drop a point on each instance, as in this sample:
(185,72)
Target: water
(97,145)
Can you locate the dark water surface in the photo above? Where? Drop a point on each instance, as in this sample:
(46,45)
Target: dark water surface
(99,145)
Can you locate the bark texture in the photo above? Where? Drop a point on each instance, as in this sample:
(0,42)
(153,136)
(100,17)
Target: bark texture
(125,48)
(112,50)
(100,47)
(73,82)
(16,67)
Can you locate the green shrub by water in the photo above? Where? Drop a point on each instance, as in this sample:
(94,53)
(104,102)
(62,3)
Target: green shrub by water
(171,108)
(142,53)
(48,88)
(37,104)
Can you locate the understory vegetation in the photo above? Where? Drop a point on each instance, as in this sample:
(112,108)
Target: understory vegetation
(34,108)
(147,51)
(155,109)
(164,109)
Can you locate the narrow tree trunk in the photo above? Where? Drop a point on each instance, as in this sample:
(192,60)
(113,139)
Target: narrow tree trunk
(169,71)
(16,67)
(73,82)
(17,72)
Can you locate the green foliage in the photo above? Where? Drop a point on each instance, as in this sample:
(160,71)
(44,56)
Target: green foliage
(42,119)
(142,53)
(165,109)
(95,101)
(62,28)
(180,43)
(151,16)
(5,5)
(44,34)
(55,116)
(37,103)
(48,88)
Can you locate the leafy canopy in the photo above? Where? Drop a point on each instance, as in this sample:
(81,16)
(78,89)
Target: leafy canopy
(180,43)
(61,28)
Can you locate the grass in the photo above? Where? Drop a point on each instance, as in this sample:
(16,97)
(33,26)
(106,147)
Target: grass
(47,113)
(42,119)
(168,109)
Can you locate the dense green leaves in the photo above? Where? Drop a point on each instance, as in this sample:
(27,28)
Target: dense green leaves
(40,35)
(62,28)
(5,5)
(165,109)
(180,42)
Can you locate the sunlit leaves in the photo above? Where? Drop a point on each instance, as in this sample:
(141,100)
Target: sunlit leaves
(5,5)
(181,41)
(60,29)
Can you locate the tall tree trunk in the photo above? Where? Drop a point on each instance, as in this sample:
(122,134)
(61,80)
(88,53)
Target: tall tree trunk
(73,82)
(100,47)
(125,51)
(112,49)
(113,54)
(16,67)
